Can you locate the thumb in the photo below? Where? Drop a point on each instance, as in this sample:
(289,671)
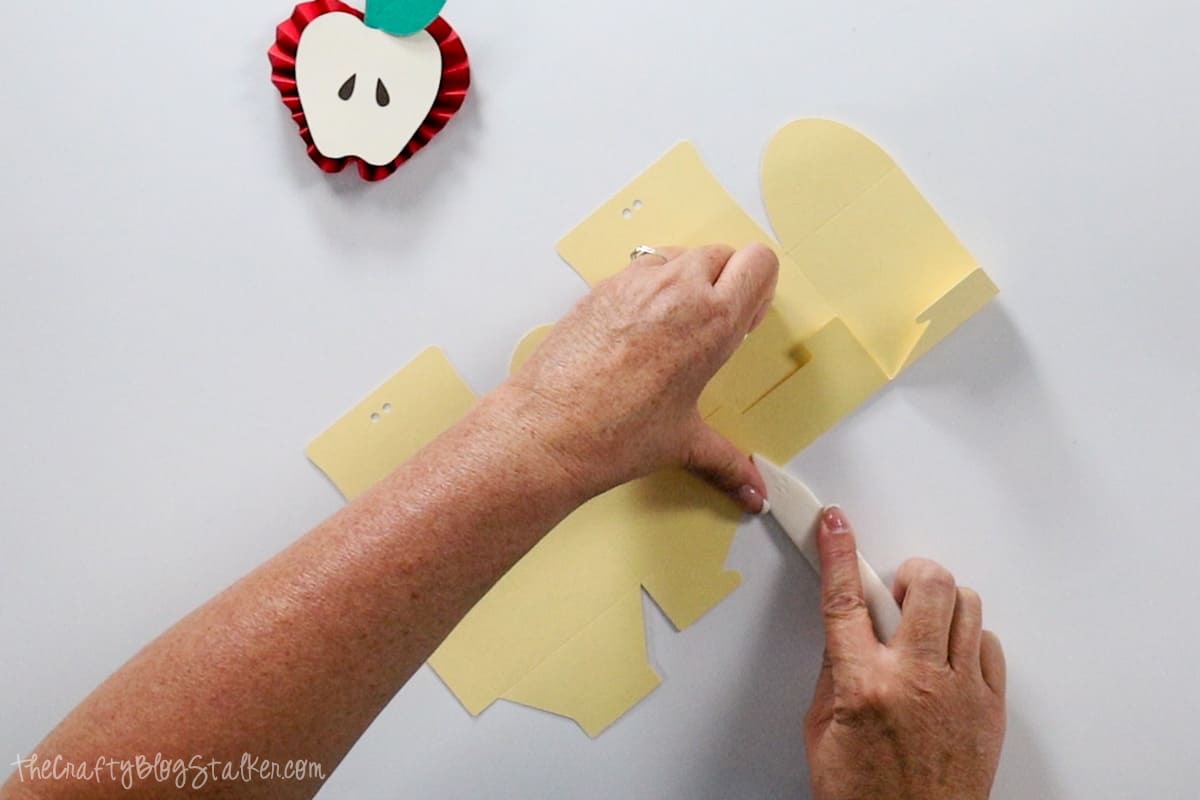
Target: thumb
(718,461)
(848,632)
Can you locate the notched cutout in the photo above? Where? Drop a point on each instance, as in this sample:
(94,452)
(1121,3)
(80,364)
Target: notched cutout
(869,241)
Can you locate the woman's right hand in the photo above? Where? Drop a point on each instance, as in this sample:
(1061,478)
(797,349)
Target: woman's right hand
(921,717)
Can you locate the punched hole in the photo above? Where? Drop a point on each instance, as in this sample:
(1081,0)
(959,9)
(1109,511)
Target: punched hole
(375,417)
(627,213)
(387,408)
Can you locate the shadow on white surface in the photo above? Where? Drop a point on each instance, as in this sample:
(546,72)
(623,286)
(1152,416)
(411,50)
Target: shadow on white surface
(761,751)
(980,393)
(984,375)
(395,214)
(1030,775)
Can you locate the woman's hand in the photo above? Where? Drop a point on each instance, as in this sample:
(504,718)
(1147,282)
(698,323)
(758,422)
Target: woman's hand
(613,390)
(305,651)
(919,718)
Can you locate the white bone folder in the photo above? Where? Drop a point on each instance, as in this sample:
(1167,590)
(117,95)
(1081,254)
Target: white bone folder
(798,512)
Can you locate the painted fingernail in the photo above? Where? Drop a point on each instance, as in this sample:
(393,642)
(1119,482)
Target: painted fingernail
(835,520)
(752,500)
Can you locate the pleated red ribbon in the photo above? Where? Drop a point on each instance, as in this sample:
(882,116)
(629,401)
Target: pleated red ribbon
(456,79)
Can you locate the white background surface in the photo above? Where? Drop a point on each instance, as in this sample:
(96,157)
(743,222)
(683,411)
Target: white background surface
(185,300)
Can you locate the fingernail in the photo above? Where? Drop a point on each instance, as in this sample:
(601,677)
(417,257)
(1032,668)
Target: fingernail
(835,520)
(752,500)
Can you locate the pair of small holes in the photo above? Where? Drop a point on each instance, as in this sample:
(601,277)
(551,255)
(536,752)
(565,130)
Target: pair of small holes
(387,409)
(637,206)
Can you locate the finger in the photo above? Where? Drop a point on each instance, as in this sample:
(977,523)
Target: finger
(965,630)
(661,256)
(849,636)
(927,595)
(705,263)
(760,315)
(991,661)
(820,712)
(717,460)
(748,281)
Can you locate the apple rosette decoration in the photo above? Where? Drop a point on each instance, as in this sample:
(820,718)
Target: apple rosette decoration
(369,89)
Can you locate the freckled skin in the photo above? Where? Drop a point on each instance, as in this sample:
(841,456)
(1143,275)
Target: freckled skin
(297,658)
(920,718)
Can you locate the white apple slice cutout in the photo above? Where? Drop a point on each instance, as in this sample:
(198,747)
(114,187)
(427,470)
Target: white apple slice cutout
(364,92)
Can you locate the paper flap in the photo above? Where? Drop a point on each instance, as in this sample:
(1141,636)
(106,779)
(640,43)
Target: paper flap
(865,236)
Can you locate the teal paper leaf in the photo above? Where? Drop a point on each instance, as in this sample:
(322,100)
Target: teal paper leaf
(402,17)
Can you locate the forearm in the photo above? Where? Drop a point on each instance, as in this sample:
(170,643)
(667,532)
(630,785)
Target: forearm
(296,659)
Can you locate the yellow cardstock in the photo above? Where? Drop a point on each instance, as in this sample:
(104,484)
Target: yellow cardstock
(870,280)
(869,241)
(563,630)
(386,429)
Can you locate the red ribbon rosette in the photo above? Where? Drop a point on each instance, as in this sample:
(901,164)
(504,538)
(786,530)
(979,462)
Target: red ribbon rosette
(456,79)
